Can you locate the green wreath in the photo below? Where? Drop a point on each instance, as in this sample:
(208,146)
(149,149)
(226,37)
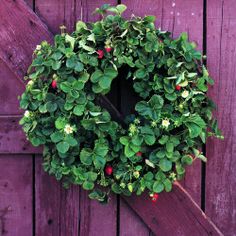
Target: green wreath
(67,112)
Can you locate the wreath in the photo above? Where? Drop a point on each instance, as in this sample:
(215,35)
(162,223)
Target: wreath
(86,141)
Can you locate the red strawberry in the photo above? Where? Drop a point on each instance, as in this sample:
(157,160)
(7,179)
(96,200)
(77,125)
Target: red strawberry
(155,197)
(177,87)
(139,154)
(54,84)
(100,54)
(108,49)
(108,170)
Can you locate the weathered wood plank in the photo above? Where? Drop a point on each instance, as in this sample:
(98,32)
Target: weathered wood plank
(12,137)
(21,31)
(58,12)
(174,213)
(220,169)
(130,223)
(16,195)
(97,219)
(56,209)
(10,89)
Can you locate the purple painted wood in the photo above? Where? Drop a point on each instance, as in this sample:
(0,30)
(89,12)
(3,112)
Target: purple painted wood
(220,172)
(21,31)
(10,89)
(16,195)
(130,223)
(56,209)
(97,219)
(174,213)
(12,137)
(58,12)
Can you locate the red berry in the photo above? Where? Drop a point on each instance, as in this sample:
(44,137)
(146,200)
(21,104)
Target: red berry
(100,54)
(54,84)
(139,154)
(155,197)
(108,170)
(108,49)
(177,87)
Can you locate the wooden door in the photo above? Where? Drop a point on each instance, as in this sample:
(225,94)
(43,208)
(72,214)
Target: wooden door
(32,203)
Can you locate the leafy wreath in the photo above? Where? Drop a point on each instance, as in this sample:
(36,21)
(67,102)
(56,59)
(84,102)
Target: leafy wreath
(84,142)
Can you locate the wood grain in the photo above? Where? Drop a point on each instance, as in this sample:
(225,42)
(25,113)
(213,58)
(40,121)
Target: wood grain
(174,213)
(12,137)
(97,219)
(16,195)
(10,89)
(56,209)
(58,12)
(129,218)
(21,31)
(220,172)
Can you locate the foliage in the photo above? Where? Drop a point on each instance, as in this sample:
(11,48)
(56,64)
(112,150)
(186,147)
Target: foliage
(80,139)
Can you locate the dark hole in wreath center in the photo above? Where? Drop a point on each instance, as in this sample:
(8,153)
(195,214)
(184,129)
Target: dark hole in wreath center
(122,94)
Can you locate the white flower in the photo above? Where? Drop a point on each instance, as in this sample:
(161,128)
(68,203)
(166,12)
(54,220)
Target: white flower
(185,93)
(165,123)
(38,47)
(30,83)
(27,114)
(68,129)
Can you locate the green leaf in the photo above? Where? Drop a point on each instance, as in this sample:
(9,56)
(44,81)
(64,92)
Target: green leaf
(156,102)
(168,185)
(163,140)
(71,141)
(105,82)
(92,176)
(124,140)
(150,18)
(63,147)
(80,25)
(99,162)
(51,106)
(158,187)
(169,147)
(78,66)
(86,156)
(96,75)
(88,185)
(187,159)
(165,165)
(65,87)
(78,110)
(70,40)
(121,8)
(128,151)
(60,123)
(56,137)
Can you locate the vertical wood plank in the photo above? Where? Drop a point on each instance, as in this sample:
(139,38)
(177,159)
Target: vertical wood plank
(56,209)
(220,170)
(16,195)
(10,89)
(97,219)
(130,223)
(58,12)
